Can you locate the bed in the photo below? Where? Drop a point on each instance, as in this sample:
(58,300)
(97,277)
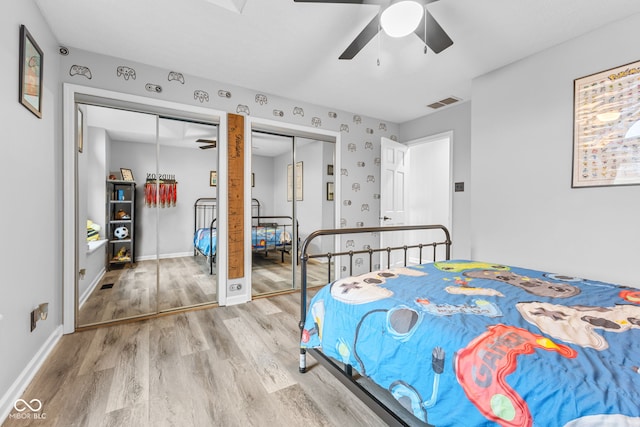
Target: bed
(268,232)
(470,343)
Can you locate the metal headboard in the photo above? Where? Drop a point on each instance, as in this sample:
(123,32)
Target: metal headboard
(305,256)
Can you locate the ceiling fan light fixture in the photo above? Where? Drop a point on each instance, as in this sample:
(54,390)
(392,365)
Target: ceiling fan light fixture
(401,18)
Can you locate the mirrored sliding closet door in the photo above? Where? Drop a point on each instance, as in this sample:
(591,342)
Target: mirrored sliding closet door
(139,179)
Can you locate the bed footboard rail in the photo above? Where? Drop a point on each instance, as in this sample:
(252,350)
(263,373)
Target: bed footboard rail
(345,374)
(283,222)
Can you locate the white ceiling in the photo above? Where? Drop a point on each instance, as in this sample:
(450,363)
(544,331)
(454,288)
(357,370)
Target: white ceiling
(291,49)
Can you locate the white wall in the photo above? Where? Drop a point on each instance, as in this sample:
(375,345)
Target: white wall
(30,160)
(456,119)
(524,211)
(263,169)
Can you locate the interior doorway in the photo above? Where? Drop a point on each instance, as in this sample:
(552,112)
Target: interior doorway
(417,189)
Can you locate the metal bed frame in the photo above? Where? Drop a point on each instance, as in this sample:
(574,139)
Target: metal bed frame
(345,373)
(276,222)
(205,215)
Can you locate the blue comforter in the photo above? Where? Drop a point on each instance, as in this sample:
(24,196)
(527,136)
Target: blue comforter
(262,237)
(463,343)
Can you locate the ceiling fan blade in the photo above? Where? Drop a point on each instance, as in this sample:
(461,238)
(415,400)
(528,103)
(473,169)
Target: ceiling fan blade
(338,1)
(437,39)
(365,36)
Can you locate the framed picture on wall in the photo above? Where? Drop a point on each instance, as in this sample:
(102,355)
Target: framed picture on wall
(127,174)
(329,170)
(606,128)
(213,179)
(298,175)
(30,73)
(330,193)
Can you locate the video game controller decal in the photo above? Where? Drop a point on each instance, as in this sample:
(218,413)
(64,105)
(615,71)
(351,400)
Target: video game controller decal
(482,367)
(531,285)
(224,94)
(244,109)
(126,72)
(201,95)
(80,70)
(153,88)
(316,122)
(261,99)
(175,76)
(577,324)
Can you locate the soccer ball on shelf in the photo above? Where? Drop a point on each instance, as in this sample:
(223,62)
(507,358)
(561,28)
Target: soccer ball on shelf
(121,232)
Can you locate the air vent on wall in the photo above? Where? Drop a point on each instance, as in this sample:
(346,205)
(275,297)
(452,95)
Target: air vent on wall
(444,102)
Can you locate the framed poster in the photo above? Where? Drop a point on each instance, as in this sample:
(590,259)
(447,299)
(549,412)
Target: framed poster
(213,179)
(127,174)
(30,73)
(298,182)
(606,128)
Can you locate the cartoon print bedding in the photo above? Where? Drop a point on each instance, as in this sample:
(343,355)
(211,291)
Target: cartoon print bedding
(461,343)
(262,237)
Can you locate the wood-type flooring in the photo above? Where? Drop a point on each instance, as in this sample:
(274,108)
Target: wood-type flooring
(173,283)
(223,366)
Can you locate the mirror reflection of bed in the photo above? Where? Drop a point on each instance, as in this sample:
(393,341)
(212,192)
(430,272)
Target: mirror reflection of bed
(273,175)
(167,273)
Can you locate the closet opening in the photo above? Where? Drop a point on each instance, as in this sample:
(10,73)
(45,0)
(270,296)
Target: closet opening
(139,178)
(292,195)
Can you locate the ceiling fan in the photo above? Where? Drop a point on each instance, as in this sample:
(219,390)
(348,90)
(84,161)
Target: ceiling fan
(211,143)
(431,34)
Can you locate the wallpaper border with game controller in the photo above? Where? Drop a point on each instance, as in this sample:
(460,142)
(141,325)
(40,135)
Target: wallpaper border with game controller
(360,171)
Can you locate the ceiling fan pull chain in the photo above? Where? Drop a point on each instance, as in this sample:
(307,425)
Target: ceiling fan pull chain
(379,41)
(425,29)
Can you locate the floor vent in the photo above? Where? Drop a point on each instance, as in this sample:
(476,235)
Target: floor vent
(107,286)
(444,102)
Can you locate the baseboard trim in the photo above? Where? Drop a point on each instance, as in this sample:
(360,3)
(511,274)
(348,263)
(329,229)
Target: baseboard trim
(22,382)
(85,296)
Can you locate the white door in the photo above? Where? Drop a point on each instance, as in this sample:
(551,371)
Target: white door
(394,170)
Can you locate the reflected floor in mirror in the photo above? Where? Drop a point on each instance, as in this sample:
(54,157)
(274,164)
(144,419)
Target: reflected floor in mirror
(131,290)
(270,274)
(183,282)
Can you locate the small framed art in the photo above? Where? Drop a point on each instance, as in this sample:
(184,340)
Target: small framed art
(30,73)
(213,179)
(127,174)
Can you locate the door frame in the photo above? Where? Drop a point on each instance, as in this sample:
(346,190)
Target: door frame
(70,267)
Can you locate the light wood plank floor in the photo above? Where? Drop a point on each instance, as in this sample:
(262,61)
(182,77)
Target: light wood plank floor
(183,282)
(225,366)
